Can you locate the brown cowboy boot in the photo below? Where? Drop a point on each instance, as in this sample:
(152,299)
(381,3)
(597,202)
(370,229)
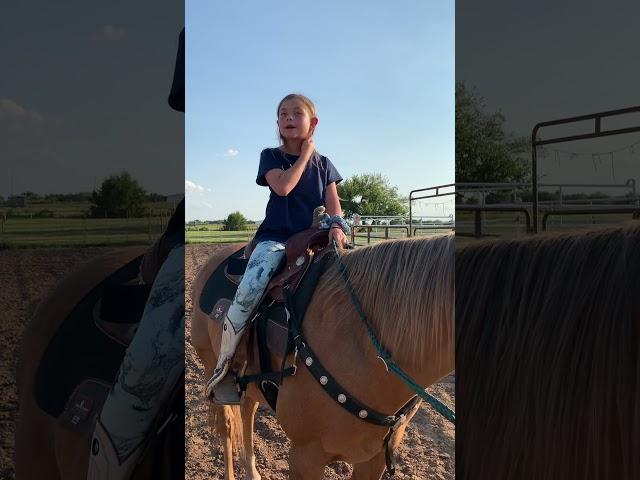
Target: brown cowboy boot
(221,388)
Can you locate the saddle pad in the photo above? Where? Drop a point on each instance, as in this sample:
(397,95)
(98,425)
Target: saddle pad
(218,285)
(219,289)
(79,350)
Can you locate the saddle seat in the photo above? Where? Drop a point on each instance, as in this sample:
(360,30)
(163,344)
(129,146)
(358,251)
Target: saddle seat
(300,251)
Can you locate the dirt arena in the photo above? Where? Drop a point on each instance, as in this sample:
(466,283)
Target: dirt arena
(427,451)
(25,278)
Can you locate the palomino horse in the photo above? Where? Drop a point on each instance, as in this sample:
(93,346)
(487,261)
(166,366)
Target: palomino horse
(406,289)
(548,357)
(44,448)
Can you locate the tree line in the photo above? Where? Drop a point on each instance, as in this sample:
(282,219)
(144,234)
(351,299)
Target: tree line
(364,194)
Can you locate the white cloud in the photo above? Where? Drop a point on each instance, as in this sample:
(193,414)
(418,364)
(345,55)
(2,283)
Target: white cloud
(231,152)
(111,32)
(12,113)
(190,186)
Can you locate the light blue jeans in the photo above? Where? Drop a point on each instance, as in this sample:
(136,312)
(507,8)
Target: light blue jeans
(263,265)
(153,362)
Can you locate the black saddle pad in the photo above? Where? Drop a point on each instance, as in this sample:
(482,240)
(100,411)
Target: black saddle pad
(218,285)
(79,350)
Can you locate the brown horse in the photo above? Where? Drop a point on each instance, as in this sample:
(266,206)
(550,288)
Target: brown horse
(44,449)
(548,357)
(406,289)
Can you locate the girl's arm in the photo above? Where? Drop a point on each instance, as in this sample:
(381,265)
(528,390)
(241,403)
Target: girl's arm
(332,207)
(283,181)
(331,200)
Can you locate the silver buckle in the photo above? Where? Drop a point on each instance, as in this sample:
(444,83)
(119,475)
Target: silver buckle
(399,422)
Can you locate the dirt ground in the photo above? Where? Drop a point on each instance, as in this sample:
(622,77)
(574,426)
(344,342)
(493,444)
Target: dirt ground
(427,451)
(25,278)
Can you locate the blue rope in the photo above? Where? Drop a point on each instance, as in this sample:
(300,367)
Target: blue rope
(384,355)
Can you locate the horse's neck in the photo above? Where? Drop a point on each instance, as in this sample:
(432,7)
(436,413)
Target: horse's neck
(340,340)
(422,349)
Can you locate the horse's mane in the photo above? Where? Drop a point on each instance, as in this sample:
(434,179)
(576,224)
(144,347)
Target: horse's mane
(548,363)
(406,290)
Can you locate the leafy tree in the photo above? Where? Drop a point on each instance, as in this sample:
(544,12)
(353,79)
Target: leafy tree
(484,151)
(31,197)
(235,221)
(155,198)
(370,194)
(119,196)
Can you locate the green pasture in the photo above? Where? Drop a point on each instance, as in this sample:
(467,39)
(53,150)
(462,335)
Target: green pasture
(366,235)
(70,209)
(71,232)
(510,224)
(65,224)
(213,233)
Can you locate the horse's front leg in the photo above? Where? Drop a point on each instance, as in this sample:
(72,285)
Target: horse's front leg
(248,408)
(220,422)
(307,462)
(371,469)
(374,468)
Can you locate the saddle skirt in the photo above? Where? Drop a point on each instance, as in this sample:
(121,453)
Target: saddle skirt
(82,359)
(306,259)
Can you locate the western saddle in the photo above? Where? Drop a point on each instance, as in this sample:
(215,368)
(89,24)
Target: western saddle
(291,288)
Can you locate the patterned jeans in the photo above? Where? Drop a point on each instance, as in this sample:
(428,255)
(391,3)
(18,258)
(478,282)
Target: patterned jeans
(153,362)
(262,266)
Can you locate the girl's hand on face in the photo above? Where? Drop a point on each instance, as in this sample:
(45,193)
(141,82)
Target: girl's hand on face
(307,147)
(336,233)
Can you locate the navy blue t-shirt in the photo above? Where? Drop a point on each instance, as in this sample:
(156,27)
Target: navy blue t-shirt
(286,216)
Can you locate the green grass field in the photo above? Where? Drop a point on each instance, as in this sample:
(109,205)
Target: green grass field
(68,226)
(509,224)
(69,209)
(69,232)
(215,234)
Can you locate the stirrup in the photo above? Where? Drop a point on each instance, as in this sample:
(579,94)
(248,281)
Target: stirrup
(218,375)
(225,392)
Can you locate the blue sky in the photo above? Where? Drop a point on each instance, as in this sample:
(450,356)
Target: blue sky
(540,61)
(83,95)
(380,73)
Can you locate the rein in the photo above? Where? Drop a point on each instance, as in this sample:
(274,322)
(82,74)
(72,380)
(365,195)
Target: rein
(384,355)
